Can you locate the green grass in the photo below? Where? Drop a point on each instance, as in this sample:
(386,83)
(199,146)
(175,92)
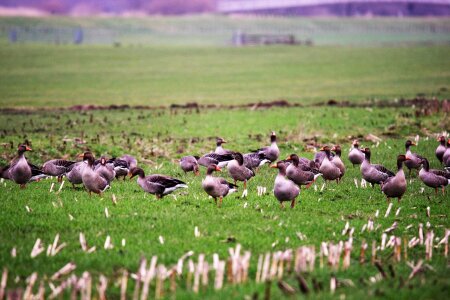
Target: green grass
(49,76)
(157,137)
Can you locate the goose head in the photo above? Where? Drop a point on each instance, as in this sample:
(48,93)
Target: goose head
(409,143)
(136,172)
(213,168)
(238,157)
(355,144)
(22,149)
(367,153)
(441,140)
(401,159)
(337,149)
(281,166)
(294,158)
(220,141)
(273,137)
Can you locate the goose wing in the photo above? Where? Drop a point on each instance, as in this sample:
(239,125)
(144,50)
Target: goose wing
(441,173)
(225,182)
(165,181)
(384,170)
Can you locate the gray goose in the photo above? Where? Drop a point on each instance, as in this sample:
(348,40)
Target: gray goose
(219,149)
(74,174)
(57,167)
(355,156)
(270,152)
(19,171)
(255,160)
(320,155)
(190,164)
(395,186)
(434,178)
(415,160)
(217,187)
(328,169)
(373,174)
(105,170)
(215,159)
(131,161)
(440,150)
(239,172)
(157,184)
(121,166)
(93,181)
(36,173)
(284,189)
(337,161)
(446,156)
(301,174)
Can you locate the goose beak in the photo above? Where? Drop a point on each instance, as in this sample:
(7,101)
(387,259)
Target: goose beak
(81,155)
(224,142)
(274,166)
(289,157)
(413,144)
(322,149)
(28,148)
(218,169)
(130,175)
(333,149)
(196,173)
(407,158)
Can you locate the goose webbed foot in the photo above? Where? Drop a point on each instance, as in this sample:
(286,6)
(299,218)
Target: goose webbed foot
(244,193)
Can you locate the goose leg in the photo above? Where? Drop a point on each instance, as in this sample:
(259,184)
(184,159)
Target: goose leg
(22,186)
(436,191)
(245,192)
(399,198)
(215,200)
(443,190)
(281,205)
(293,203)
(220,201)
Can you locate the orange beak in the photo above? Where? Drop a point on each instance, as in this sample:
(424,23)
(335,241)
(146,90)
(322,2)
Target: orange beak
(289,157)
(274,166)
(81,155)
(218,169)
(407,158)
(333,149)
(28,148)
(322,149)
(130,174)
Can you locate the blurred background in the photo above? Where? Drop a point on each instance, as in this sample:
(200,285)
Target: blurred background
(226,22)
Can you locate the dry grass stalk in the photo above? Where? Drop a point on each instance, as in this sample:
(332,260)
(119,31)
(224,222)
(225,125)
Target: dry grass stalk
(3,283)
(101,287)
(123,285)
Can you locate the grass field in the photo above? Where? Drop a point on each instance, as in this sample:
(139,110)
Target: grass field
(158,137)
(36,76)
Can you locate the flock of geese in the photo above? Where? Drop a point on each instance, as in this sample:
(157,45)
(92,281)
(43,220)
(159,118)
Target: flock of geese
(293,172)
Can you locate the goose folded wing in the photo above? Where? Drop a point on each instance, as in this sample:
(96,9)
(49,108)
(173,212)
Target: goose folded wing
(164,181)
(35,170)
(441,173)
(383,170)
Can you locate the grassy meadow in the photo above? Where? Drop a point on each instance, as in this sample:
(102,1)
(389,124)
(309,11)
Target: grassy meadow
(39,81)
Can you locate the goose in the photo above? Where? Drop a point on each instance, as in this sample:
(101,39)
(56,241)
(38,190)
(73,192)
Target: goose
(301,174)
(219,149)
(131,161)
(36,173)
(415,160)
(19,171)
(355,156)
(121,166)
(57,167)
(93,181)
(434,178)
(270,152)
(446,156)
(215,159)
(328,169)
(217,187)
(239,172)
(156,184)
(190,164)
(255,160)
(319,156)
(337,161)
(74,174)
(373,174)
(395,186)
(284,188)
(105,170)
(440,150)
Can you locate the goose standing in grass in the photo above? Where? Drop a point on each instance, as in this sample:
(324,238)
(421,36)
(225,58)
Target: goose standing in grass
(355,156)
(395,186)
(105,170)
(121,166)
(373,174)
(219,149)
(440,150)
(36,173)
(93,181)
(19,171)
(190,164)
(414,160)
(301,174)
(446,156)
(337,161)
(255,160)
(217,187)
(215,159)
(239,172)
(320,155)
(131,161)
(284,189)
(434,178)
(328,169)
(74,174)
(57,167)
(270,152)
(156,184)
